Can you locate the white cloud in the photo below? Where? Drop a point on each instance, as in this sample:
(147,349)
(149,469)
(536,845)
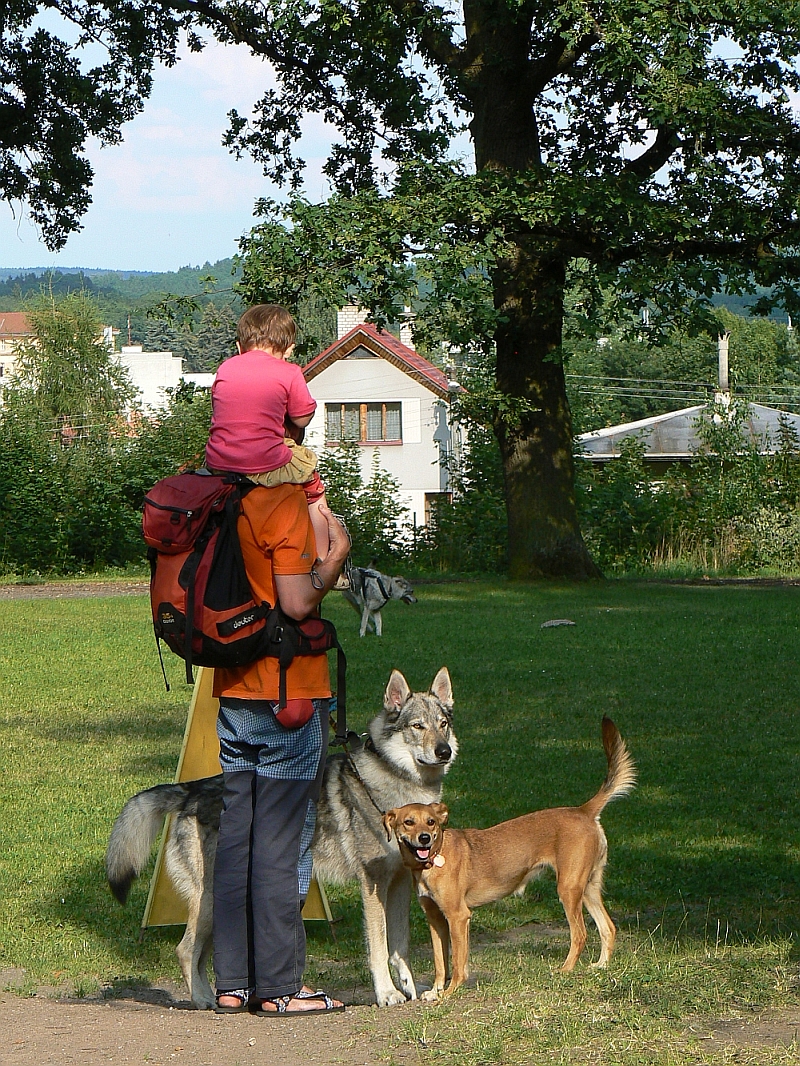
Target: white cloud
(170,194)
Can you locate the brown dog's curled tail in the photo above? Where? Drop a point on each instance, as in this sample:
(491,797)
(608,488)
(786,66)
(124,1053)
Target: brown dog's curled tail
(621,776)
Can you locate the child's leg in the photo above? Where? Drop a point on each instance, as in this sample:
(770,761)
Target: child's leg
(320,526)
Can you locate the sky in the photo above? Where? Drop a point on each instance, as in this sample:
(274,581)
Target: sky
(170,195)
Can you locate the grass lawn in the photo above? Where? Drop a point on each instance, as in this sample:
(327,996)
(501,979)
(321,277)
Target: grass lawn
(704,872)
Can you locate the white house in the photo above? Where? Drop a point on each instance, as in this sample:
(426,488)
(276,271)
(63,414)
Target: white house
(376,391)
(152,373)
(14,330)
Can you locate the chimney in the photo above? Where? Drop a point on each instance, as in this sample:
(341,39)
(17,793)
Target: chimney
(350,316)
(722,350)
(407,328)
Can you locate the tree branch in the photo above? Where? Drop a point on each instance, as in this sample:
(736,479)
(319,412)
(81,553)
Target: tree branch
(433,35)
(654,158)
(559,58)
(259,43)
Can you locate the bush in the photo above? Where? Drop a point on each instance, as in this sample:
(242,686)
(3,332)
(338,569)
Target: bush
(469,534)
(372,511)
(71,503)
(733,509)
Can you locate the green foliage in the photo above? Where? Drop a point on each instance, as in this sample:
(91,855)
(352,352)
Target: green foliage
(623,515)
(468,533)
(214,339)
(67,371)
(68,505)
(53,102)
(371,509)
(172,440)
(62,506)
(732,509)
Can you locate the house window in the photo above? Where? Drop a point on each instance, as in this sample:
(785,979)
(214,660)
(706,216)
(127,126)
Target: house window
(364,423)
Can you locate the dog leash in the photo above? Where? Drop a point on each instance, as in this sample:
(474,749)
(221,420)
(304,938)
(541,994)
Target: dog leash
(354,768)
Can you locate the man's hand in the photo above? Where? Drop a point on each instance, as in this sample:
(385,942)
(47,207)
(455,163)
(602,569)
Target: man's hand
(298,594)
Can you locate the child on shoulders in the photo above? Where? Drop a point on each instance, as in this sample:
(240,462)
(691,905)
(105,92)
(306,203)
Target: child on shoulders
(260,405)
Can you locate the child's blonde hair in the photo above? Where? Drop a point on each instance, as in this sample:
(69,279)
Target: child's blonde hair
(266,326)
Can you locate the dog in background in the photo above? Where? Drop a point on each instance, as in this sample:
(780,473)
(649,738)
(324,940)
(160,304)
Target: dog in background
(370,591)
(408,750)
(456,870)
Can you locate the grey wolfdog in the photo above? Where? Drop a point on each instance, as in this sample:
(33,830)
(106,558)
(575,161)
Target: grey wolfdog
(408,750)
(370,591)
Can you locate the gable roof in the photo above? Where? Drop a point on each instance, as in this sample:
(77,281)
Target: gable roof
(14,324)
(386,346)
(674,436)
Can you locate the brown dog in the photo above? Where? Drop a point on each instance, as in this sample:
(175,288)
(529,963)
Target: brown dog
(456,870)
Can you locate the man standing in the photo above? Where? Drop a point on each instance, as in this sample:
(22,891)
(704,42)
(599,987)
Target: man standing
(272,762)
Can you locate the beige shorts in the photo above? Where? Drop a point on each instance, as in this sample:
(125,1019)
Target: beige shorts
(297,471)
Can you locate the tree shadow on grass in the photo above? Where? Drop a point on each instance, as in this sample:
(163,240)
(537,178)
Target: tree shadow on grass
(133,721)
(748,894)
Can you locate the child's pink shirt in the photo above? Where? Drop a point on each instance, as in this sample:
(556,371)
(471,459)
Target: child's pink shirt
(251,395)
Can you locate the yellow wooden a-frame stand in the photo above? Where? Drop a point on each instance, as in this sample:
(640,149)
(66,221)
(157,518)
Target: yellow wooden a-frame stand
(199,757)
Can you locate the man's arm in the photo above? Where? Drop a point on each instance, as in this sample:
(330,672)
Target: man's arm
(298,594)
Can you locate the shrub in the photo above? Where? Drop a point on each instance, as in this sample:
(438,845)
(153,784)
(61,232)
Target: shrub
(469,534)
(67,503)
(372,510)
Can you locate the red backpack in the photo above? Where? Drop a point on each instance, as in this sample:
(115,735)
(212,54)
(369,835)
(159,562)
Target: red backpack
(197,572)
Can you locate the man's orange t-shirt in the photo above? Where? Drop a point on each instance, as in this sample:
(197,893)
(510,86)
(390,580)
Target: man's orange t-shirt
(277,538)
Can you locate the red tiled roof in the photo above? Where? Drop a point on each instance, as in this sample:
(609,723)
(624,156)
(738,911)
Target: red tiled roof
(14,324)
(386,346)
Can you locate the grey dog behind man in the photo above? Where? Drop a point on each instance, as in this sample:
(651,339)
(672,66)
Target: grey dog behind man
(370,591)
(409,748)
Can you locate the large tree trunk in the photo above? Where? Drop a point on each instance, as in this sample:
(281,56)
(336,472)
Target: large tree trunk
(544,535)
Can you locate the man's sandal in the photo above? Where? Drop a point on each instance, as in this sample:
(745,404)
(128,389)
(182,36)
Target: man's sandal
(242,994)
(282,1005)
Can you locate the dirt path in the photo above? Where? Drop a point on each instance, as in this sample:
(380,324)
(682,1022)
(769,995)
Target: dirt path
(69,590)
(41,1031)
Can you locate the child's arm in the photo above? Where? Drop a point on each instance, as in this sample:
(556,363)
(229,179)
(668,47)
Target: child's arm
(293,430)
(299,400)
(302,421)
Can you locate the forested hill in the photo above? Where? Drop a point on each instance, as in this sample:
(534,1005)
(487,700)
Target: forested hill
(16,285)
(123,298)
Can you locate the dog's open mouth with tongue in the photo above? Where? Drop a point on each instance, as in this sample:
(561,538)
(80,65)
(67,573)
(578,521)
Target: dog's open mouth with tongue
(423,853)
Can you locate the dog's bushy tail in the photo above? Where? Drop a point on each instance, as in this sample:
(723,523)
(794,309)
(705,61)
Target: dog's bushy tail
(134,833)
(621,776)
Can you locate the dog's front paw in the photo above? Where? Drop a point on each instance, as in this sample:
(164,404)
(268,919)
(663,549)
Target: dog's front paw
(432,995)
(391,998)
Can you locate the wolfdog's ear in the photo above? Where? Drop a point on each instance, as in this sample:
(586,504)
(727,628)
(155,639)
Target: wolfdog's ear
(389,820)
(397,692)
(442,689)
(440,812)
